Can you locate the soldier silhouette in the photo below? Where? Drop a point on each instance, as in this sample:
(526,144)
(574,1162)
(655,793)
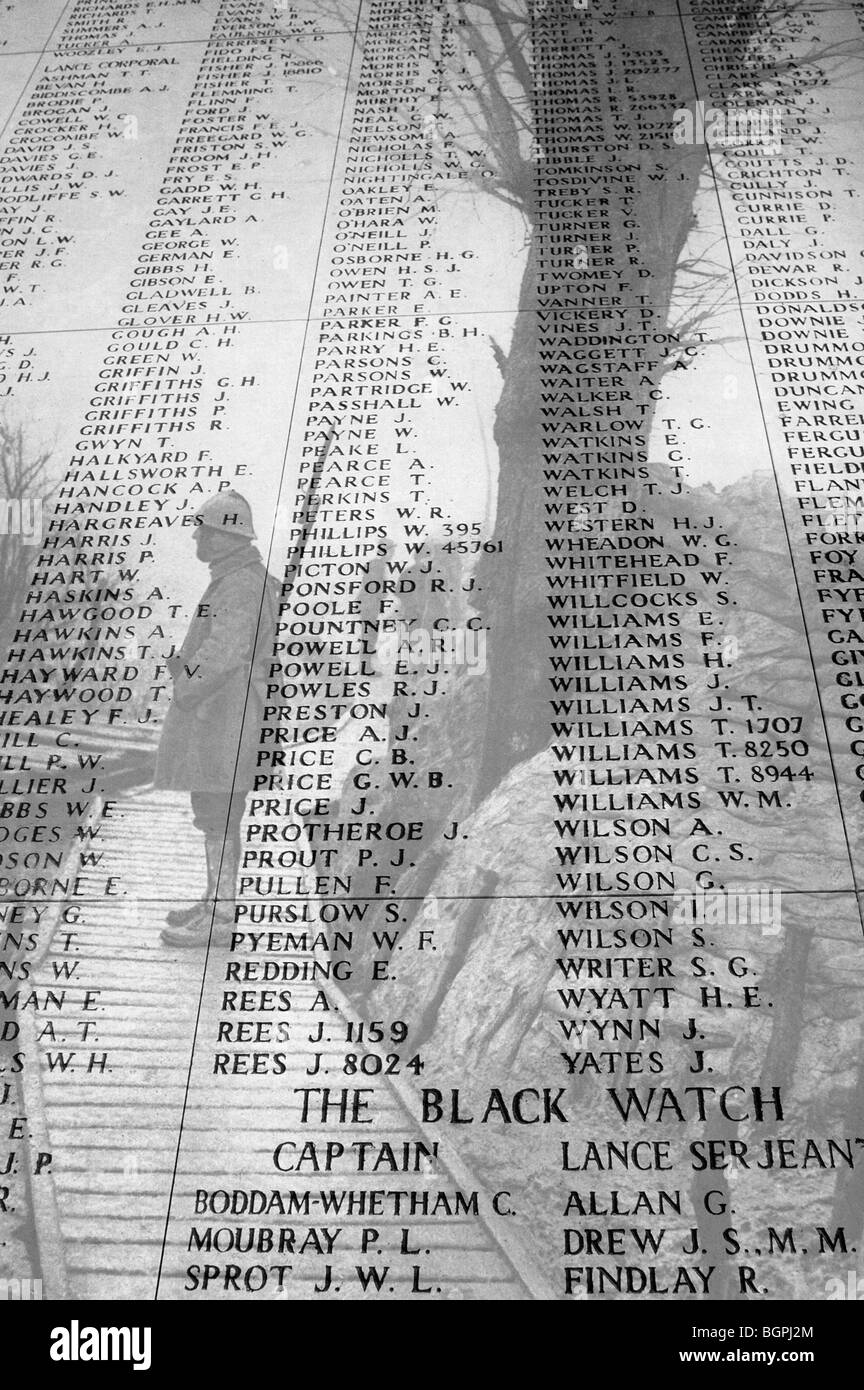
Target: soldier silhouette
(210,735)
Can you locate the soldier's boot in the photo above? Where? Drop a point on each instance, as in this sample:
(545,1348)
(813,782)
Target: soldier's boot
(183,916)
(214,920)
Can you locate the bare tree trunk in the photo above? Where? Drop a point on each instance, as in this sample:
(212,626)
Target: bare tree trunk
(511,594)
(645,222)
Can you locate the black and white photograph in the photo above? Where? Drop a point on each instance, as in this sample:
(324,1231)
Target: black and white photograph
(432,694)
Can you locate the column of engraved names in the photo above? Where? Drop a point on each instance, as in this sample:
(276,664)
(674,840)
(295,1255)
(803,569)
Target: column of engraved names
(788,197)
(88,652)
(802,306)
(70,667)
(315,900)
(637,607)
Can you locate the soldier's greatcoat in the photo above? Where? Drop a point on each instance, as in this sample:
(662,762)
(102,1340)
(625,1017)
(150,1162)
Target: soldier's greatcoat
(211,732)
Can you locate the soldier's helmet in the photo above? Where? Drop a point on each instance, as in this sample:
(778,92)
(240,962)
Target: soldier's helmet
(228,512)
